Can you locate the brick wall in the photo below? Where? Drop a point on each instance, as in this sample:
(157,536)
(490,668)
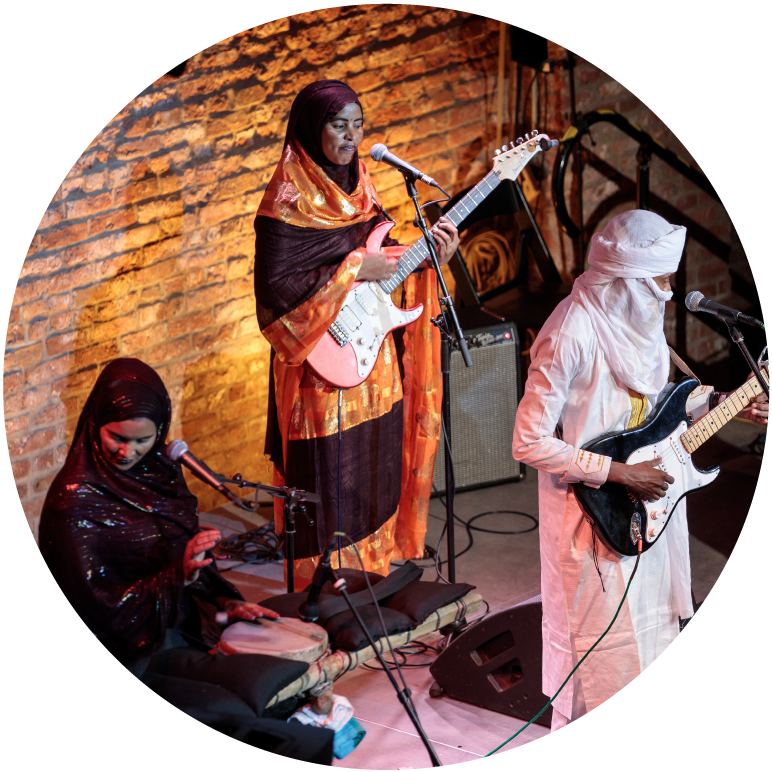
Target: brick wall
(146,249)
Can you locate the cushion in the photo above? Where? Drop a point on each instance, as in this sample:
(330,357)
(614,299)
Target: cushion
(193,697)
(254,678)
(345,633)
(419,599)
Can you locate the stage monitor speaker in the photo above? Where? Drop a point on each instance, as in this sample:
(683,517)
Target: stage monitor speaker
(496,664)
(483,403)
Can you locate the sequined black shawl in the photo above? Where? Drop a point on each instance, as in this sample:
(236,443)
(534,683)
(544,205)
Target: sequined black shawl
(114,539)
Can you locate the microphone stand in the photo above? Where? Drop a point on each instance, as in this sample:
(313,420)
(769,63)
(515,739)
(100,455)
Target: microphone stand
(402,694)
(738,338)
(294,504)
(450,330)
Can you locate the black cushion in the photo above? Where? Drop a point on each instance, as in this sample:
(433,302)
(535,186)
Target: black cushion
(254,678)
(345,633)
(192,697)
(355,581)
(224,711)
(419,599)
(287,605)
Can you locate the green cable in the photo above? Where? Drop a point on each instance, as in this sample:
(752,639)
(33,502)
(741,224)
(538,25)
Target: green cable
(637,560)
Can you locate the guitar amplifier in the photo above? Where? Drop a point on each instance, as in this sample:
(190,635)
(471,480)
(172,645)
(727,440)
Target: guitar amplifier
(483,403)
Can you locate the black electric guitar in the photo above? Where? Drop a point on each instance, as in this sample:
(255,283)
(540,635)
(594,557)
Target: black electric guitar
(618,514)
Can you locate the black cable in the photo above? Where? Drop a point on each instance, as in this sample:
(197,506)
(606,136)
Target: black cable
(256,547)
(340,454)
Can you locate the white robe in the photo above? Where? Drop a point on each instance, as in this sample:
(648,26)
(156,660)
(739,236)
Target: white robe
(572,393)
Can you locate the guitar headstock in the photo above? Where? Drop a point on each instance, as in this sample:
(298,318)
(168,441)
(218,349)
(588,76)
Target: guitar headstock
(509,162)
(763,363)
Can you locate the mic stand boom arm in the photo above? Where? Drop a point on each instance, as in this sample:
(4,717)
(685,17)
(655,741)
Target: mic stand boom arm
(447,319)
(294,504)
(738,338)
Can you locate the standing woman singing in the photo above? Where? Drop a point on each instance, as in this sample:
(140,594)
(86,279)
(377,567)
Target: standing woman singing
(311,228)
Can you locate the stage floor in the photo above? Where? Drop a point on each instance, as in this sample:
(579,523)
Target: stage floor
(505,570)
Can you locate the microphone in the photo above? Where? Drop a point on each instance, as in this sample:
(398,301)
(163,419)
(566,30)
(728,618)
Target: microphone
(382,153)
(696,301)
(309,609)
(177,450)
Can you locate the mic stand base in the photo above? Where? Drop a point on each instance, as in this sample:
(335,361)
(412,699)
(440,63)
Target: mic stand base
(402,694)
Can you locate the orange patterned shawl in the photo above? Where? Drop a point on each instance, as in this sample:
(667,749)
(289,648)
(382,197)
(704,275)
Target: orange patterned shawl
(301,194)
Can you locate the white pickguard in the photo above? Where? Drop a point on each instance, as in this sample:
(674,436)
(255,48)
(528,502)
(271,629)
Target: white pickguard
(365,319)
(678,464)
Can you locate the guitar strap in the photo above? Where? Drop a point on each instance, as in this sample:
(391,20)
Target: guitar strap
(681,365)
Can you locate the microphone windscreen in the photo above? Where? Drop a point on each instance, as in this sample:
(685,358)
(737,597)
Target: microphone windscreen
(693,300)
(176,448)
(378,151)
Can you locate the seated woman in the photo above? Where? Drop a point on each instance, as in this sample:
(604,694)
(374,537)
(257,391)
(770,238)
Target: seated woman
(119,528)
(120,533)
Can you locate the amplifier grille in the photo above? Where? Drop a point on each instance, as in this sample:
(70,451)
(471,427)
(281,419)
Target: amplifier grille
(483,404)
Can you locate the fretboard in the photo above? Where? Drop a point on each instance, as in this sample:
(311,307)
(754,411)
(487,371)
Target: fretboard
(414,256)
(721,415)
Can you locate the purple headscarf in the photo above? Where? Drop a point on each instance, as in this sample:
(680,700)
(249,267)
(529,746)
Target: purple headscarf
(317,104)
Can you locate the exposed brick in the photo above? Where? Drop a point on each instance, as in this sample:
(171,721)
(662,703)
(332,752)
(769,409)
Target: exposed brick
(29,355)
(43,461)
(168,351)
(32,442)
(99,354)
(74,383)
(64,236)
(20,469)
(112,221)
(214,336)
(190,323)
(13,425)
(136,237)
(61,344)
(88,205)
(57,412)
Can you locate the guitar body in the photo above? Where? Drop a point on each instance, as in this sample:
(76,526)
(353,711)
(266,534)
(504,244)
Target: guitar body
(347,352)
(612,507)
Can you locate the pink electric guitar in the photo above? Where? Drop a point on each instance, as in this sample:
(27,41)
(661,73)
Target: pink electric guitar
(346,354)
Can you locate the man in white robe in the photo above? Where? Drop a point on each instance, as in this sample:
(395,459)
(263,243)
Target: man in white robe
(599,365)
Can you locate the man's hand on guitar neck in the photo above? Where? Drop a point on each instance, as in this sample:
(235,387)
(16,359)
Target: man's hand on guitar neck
(645,479)
(757,411)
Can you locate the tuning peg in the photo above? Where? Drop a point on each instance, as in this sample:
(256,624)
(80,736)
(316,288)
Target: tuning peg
(504,148)
(519,140)
(534,132)
(497,152)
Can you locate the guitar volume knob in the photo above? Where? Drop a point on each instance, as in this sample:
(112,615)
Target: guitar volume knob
(360,341)
(366,361)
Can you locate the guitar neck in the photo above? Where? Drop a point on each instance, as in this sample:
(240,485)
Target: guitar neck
(720,416)
(414,256)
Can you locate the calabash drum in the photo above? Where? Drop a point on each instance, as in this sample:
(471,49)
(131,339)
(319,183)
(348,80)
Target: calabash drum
(285,637)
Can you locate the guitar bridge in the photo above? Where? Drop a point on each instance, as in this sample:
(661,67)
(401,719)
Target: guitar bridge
(339,334)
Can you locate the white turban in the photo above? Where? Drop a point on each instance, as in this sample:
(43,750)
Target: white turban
(625,305)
